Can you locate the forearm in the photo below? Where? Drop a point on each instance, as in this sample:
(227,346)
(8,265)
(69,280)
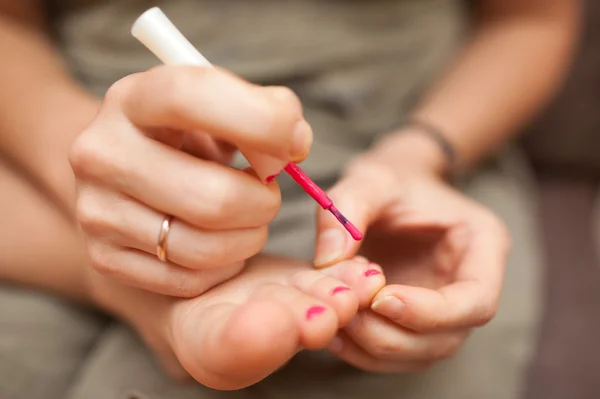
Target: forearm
(41,111)
(41,108)
(515,60)
(38,247)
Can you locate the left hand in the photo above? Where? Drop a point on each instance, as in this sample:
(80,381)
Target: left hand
(443,256)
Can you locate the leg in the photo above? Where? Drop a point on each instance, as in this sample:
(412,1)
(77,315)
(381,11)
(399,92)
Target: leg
(43,340)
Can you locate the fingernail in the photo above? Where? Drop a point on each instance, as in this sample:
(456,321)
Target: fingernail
(372,272)
(361,259)
(302,140)
(330,247)
(269,179)
(389,306)
(314,311)
(339,289)
(336,345)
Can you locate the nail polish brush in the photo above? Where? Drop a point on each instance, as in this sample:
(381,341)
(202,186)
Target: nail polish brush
(155,31)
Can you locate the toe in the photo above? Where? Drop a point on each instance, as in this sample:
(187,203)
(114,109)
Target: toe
(230,346)
(334,292)
(317,321)
(364,278)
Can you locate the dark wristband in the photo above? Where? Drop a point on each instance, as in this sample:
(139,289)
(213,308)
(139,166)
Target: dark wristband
(438,136)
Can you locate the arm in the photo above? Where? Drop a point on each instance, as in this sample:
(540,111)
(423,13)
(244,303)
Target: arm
(41,108)
(41,112)
(515,59)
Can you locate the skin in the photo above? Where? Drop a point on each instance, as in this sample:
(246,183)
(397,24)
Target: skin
(437,314)
(443,254)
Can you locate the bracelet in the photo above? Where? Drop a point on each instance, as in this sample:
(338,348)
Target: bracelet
(447,148)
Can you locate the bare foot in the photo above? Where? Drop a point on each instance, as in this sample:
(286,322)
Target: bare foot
(239,332)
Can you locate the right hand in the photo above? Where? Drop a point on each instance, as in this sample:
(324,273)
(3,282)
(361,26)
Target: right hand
(160,146)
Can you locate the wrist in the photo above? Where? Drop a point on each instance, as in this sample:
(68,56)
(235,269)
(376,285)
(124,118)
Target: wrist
(412,149)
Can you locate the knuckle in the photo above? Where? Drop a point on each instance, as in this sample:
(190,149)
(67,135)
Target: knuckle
(90,216)
(383,347)
(288,100)
(84,155)
(176,85)
(100,260)
(118,90)
(94,153)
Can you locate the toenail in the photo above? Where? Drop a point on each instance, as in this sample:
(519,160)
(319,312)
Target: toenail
(339,289)
(372,272)
(314,311)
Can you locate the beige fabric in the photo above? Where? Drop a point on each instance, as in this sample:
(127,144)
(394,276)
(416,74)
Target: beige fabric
(358,66)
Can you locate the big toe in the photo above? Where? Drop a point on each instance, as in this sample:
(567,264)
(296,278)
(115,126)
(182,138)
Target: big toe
(231,346)
(227,346)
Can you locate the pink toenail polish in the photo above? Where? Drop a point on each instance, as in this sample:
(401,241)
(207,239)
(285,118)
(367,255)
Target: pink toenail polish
(372,272)
(339,289)
(314,311)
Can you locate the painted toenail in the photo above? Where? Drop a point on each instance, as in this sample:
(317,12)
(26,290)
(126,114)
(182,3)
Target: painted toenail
(372,272)
(339,289)
(314,311)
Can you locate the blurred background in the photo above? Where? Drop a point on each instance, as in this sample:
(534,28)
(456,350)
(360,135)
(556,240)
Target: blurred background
(563,146)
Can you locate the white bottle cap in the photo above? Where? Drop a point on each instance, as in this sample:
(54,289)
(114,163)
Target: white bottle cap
(154,29)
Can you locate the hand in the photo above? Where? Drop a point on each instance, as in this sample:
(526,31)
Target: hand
(159,146)
(443,256)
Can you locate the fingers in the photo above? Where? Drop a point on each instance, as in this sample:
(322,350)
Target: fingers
(360,196)
(471,300)
(202,193)
(123,222)
(267,120)
(346,349)
(142,270)
(385,340)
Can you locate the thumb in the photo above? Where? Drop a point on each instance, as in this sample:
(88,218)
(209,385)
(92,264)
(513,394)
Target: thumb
(361,197)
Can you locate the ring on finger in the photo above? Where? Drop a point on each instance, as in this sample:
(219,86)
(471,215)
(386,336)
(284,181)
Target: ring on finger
(161,245)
